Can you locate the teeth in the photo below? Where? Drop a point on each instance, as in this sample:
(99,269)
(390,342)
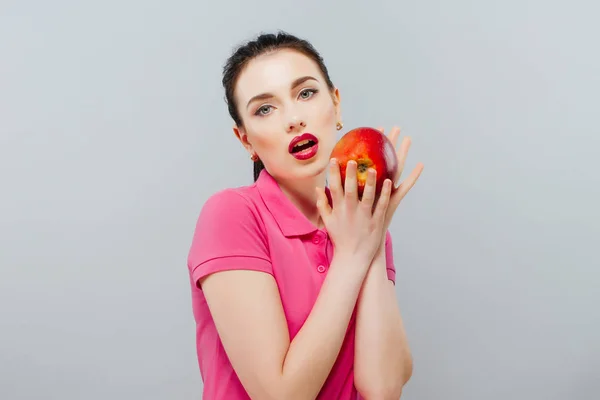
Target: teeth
(302,143)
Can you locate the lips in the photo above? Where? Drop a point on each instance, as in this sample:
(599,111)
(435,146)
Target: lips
(302,142)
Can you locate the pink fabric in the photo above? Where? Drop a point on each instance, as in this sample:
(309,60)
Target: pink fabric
(257,228)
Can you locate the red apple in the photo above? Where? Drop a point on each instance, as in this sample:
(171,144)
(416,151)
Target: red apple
(370,149)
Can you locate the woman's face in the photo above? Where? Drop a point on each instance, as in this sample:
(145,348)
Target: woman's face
(281,96)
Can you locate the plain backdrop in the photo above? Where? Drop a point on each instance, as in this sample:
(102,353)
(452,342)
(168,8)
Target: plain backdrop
(114,132)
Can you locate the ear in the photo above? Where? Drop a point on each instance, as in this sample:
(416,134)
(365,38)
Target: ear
(337,100)
(240,133)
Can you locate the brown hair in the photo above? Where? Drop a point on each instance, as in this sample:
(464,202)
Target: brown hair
(262,44)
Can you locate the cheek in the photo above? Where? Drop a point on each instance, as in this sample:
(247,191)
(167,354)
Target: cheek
(263,142)
(326,121)
(324,110)
(267,141)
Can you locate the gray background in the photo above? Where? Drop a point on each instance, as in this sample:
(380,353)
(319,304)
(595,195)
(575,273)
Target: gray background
(114,132)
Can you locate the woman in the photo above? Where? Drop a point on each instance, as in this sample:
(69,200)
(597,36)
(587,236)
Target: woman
(292,282)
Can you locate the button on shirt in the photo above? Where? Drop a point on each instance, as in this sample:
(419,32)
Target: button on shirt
(256,227)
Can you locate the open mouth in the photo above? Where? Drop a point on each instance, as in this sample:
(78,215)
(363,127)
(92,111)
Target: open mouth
(302,142)
(303,145)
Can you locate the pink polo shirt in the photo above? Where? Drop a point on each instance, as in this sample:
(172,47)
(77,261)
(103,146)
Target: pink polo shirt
(256,227)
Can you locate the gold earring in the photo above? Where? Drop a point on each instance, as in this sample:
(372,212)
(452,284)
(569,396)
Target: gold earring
(254,157)
(339,126)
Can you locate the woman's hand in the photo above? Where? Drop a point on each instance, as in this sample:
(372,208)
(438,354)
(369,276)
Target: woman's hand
(356,227)
(403,188)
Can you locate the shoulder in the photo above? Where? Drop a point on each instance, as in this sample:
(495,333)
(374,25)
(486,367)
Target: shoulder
(227,198)
(229,206)
(229,227)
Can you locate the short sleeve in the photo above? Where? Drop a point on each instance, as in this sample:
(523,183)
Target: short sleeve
(228,236)
(389,258)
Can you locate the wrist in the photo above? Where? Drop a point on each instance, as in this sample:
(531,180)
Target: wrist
(377,274)
(358,262)
(380,253)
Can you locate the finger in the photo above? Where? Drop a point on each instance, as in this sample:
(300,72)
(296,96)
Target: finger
(394,135)
(383,201)
(350,185)
(401,155)
(323,204)
(335,182)
(380,129)
(409,182)
(368,196)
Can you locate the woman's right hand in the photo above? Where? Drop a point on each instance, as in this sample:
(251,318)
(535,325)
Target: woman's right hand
(356,227)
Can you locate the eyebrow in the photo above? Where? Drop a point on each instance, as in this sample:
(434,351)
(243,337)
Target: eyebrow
(295,83)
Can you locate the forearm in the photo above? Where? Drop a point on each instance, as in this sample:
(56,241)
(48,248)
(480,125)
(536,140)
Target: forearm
(313,351)
(383,362)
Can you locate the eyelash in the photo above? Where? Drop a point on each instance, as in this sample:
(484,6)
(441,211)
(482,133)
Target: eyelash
(312,91)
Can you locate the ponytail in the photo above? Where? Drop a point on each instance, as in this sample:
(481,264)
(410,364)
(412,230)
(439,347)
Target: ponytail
(258,167)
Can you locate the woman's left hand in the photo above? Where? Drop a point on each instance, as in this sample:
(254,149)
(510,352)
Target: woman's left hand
(404,187)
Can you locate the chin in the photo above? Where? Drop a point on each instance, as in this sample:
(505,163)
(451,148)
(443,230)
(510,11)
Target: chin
(309,168)
(321,163)
(306,170)
(312,170)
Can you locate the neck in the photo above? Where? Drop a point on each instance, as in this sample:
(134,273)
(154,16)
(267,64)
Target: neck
(303,195)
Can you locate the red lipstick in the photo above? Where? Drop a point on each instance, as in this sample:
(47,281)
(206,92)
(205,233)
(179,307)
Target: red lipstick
(304,146)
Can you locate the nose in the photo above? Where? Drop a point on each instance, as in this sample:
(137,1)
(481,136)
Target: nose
(295,124)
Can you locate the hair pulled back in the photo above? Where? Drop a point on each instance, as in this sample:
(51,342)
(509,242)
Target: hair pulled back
(263,44)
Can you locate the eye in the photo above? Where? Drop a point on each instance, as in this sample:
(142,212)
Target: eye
(264,110)
(308,93)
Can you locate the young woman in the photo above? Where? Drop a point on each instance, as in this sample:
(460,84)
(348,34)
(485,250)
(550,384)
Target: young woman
(293,282)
